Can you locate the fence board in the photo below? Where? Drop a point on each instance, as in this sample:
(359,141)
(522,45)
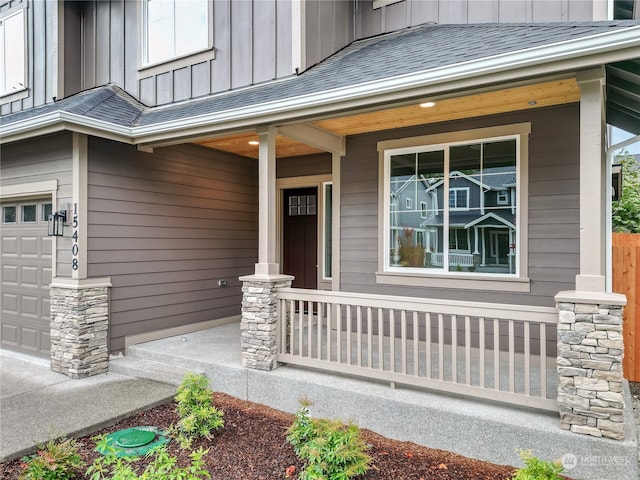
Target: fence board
(626,280)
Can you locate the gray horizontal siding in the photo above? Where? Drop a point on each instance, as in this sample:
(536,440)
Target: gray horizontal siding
(552,207)
(166,227)
(319,164)
(47,158)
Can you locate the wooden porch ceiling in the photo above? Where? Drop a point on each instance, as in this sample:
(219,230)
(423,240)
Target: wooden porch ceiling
(507,100)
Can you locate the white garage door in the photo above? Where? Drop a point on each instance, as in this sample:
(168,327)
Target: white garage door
(26,275)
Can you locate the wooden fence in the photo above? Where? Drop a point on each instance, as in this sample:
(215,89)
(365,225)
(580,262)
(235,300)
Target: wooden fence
(626,280)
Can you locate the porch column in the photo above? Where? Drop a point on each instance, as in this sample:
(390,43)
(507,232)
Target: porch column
(592,182)
(259,304)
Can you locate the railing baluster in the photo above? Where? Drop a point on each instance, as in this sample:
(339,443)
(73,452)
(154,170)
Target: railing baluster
(543,360)
(380,339)
(349,328)
(454,348)
(440,346)
(321,307)
(300,329)
(512,358)
(291,326)
(369,338)
(310,330)
(527,359)
(467,349)
(416,346)
(330,308)
(481,341)
(359,335)
(496,354)
(403,340)
(392,341)
(427,321)
(339,332)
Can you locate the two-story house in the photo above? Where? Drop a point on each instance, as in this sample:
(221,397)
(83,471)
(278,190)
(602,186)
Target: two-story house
(170,165)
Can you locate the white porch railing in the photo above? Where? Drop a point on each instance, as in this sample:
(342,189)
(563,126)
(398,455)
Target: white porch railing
(492,351)
(462,259)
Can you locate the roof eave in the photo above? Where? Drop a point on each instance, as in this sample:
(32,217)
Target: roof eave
(550,59)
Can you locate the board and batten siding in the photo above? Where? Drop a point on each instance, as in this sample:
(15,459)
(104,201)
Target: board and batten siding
(409,13)
(41,43)
(46,158)
(553,208)
(166,227)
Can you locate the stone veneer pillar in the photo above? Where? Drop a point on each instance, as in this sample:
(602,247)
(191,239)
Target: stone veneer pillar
(590,351)
(79,326)
(259,319)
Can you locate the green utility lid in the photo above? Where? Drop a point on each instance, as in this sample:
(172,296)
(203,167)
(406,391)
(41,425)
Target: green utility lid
(134,442)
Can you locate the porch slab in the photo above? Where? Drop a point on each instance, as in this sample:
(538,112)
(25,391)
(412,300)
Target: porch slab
(475,428)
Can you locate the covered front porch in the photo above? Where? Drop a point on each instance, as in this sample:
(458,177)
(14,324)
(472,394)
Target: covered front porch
(469,426)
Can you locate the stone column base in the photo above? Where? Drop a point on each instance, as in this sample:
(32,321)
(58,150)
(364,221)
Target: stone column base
(259,319)
(590,351)
(79,327)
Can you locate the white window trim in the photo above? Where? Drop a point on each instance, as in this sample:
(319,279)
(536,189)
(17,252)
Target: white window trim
(518,282)
(323,254)
(423,209)
(13,95)
(459,189)
(502,197)
(146,69)
(408,203)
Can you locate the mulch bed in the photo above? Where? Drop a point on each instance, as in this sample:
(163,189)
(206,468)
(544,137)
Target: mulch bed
(252,446)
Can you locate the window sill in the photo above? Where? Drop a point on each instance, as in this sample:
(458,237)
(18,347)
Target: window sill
(176,63)
(456,281)
(13,96)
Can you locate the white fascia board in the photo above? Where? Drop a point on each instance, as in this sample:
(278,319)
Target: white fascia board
(547,59)
(59,121)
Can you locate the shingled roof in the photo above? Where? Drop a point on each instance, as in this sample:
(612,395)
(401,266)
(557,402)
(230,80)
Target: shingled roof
(416,49)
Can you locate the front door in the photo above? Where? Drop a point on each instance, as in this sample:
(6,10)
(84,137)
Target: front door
(300,236)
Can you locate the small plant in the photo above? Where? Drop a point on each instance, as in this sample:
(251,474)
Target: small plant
(54,461)
(161,466)
(536,469)
(411,254)
(331,449)
(198,416)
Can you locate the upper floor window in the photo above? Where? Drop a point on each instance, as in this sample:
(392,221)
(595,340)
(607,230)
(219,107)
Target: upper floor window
(175,28)
(459,198)
(12,53)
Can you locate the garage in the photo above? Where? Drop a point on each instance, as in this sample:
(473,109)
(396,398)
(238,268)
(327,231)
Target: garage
(26,275)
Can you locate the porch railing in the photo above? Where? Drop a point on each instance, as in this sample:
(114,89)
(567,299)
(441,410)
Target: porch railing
(493,351)
(462,259)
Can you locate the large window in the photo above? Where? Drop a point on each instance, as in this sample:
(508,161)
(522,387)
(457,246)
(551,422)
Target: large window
(175,28)
(463,219)
(12,53)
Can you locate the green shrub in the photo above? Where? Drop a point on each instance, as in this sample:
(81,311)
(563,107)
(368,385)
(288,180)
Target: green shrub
(536,469)
(54,461)
(330,449)
(198,416)
(162,466)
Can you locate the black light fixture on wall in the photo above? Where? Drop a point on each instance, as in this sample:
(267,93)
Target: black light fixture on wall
(55,224)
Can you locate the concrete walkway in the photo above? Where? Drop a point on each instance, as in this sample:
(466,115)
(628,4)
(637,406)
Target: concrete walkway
(474,428)
(37,404)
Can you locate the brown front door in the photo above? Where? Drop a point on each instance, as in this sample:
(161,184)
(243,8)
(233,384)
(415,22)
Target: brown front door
(300,236)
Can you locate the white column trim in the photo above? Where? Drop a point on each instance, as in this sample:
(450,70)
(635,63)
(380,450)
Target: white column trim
(267,205)
(79,203)
(592,188)
(336,161)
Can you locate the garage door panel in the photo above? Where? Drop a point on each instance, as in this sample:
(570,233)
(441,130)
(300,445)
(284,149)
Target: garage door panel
(45,341)
(9,245)
(29,339)
(46,276)
(9,303)
(29,276)
(10,334)
(9,274)
(29,306)
(29,246)
(46,246)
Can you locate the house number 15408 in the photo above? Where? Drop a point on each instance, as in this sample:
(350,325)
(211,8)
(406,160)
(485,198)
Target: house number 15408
(74,246)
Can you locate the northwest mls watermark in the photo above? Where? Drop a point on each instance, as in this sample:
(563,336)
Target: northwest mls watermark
(570,461)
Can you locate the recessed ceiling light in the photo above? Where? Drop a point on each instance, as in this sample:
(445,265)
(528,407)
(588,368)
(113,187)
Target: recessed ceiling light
(254,142)
(428,104)
(532,103)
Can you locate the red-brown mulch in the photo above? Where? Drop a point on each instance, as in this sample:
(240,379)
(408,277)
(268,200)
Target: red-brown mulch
(252,446)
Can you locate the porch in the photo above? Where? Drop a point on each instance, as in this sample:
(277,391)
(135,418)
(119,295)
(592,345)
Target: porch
(469,426)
